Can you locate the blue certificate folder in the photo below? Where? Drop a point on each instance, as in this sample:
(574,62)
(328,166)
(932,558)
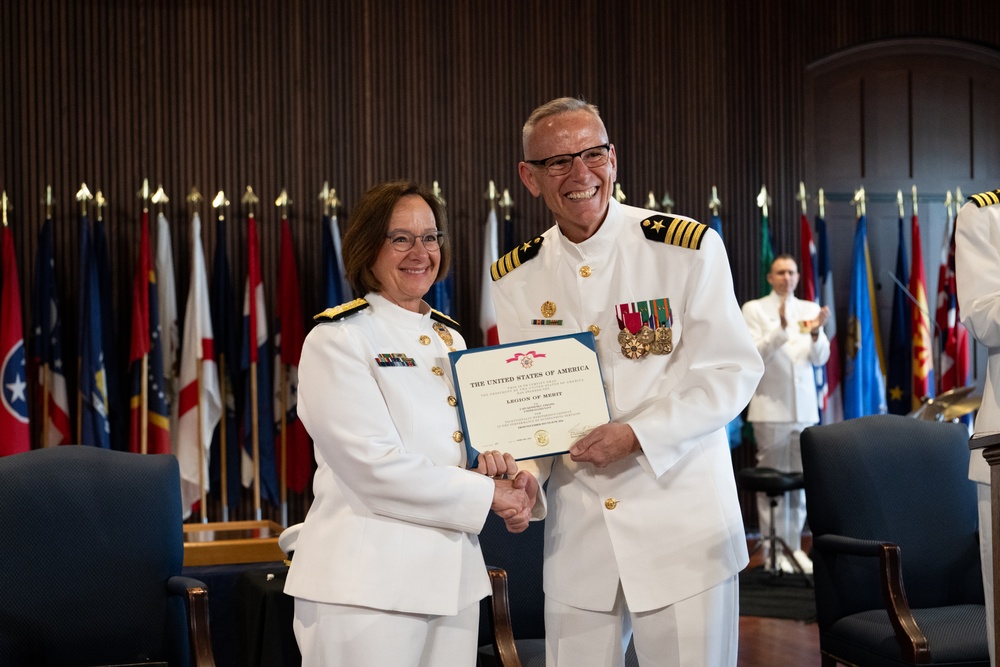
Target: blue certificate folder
(532,398)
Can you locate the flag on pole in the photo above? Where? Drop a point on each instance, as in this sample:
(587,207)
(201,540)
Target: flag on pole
(864,377)
(167,297)
(954,345)
(289,333)
(899,380)
(439,297)
(95,429)
(53,399)
(487,311)
(807,252)
(920,324)
(227,359)
(716,223)
(14,425)
(336,289)
(766,255)
(200,403)
(146,358)
(255,354)
(832,403)
(117,413)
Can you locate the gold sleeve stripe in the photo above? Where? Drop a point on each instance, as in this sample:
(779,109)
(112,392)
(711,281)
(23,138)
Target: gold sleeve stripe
(515,258)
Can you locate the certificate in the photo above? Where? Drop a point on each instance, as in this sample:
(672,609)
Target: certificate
(533,398)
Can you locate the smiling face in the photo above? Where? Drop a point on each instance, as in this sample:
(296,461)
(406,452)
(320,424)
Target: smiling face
(578,199)
(406,276)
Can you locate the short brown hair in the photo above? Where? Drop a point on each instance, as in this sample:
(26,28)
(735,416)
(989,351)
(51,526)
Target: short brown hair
(369,224)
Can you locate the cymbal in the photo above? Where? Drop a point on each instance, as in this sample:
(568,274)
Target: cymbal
(953,395)
(962,407)
(933,408)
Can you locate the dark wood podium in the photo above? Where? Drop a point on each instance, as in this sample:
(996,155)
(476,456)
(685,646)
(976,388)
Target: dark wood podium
(990,444)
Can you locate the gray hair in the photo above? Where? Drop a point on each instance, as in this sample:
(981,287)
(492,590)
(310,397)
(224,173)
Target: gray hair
(552,108)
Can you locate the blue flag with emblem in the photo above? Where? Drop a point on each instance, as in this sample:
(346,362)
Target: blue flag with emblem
(864,379)
(899,380)
(95,429)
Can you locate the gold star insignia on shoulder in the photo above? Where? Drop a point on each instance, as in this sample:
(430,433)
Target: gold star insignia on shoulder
(341,311)
(674,230)
(986,198)
(515,258)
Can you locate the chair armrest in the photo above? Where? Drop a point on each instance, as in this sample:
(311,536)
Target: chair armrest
(909,636)
(196,597)
(503,632)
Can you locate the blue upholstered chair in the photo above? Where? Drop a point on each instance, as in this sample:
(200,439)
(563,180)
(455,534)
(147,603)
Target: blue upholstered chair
(91,549)
(889,502)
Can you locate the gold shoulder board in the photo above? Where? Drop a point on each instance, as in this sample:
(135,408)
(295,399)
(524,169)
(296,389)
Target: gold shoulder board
(674,231)
(341,311)
(438,316)
(515,258)
(986,198)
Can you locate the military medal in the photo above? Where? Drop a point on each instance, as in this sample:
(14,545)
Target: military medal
(645,328)
(548,309)
(445,335)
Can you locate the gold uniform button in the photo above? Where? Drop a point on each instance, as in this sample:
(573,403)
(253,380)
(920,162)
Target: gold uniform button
(585,271)
(452,401)
(594,329)
(458,436)
(425,340)
(437,370)
(611,503)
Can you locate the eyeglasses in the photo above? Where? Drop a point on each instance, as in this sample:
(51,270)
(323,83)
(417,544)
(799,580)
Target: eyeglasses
(402,240)
(557,165)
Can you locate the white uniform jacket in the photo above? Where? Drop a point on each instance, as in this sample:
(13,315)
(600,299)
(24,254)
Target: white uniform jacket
(666,522)
(787,391)
(395,519)
(977,276)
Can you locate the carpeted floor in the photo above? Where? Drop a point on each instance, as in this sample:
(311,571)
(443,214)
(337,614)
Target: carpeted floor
(785,596)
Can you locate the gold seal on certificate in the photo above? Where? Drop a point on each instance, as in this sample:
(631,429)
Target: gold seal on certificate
(533,398)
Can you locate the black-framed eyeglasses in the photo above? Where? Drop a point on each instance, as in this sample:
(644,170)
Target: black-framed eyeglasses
(402,240)
(557,165)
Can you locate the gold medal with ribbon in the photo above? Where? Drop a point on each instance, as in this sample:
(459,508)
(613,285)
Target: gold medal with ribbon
(645,328)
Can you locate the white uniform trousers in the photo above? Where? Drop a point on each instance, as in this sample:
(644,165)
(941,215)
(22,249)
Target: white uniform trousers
(336,635)
(778,447)
(701,631)
(986,558)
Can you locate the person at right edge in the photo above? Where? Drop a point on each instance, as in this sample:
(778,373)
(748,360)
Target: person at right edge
(644,535)
(977,278)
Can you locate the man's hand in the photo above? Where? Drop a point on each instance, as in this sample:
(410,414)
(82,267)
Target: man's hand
(496,464)
(781,314)
(511,503)
(605,444)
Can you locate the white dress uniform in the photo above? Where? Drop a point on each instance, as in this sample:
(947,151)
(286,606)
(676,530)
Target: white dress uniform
(785,402)
(977,276)
(396,515)
(664,524)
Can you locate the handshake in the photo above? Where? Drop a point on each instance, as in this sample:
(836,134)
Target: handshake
(514,492)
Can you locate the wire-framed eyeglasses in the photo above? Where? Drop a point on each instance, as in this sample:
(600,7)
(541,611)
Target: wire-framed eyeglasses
(557,165)
(402,240)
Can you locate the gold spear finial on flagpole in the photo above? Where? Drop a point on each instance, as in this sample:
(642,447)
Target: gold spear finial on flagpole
(821,200)
(194,200)
(6,206)
(436,189)
(143,194)
(859,201)
(763,201)
(506,203)
(219,203)
(83,196)
(899,202)
(947,203)
(324,197)
(492,194)
(619,193)
(249,198)
(667,203)
(283,202)
(714,204)
(802,197)
(159,198)
(913,190)
(49,200)
(651,202)
(101,203)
